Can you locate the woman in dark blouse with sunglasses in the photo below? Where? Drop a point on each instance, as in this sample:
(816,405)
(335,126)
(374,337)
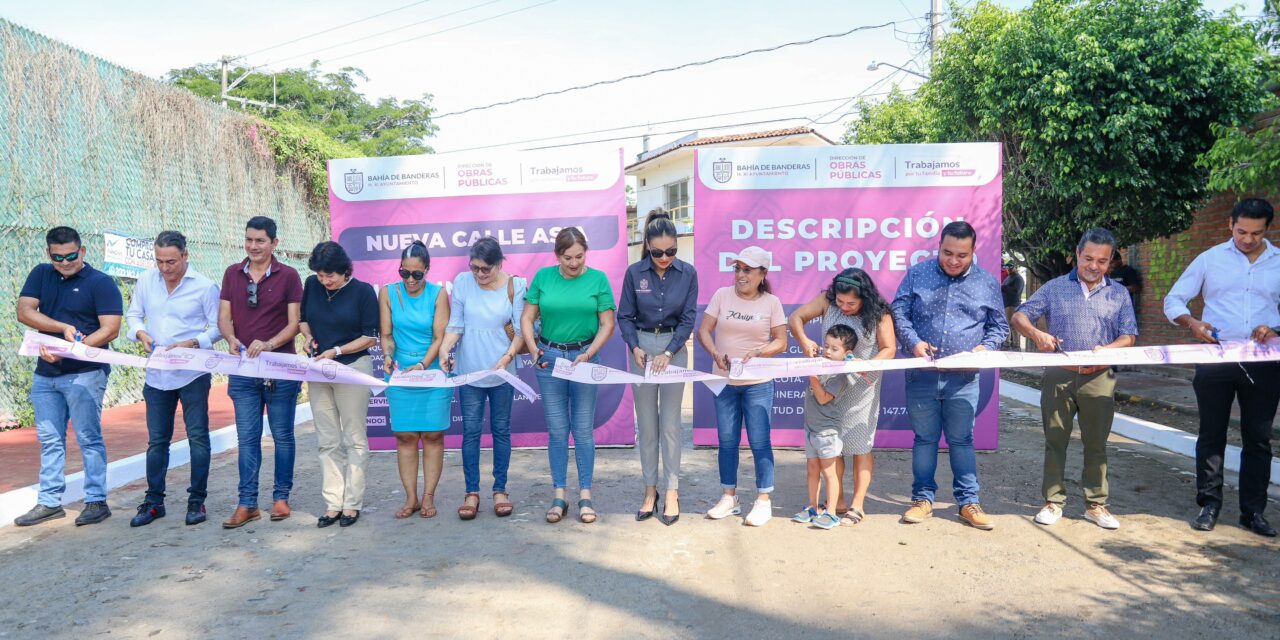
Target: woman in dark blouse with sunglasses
(656,313)
(414,314)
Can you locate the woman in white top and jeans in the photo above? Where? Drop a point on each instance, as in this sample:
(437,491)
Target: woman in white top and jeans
(484,323)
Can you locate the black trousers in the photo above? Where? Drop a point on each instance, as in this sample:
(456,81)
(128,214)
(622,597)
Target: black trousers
(1217,386)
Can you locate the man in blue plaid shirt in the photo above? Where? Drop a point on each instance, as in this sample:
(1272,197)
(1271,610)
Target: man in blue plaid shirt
(1084,311)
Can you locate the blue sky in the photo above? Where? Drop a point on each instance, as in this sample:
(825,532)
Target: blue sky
(548,45)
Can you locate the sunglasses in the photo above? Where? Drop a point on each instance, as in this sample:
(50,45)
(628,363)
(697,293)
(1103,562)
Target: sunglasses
(253,295)
(658,253)
(406,274)
(70,257)
(743,269)
(484,271)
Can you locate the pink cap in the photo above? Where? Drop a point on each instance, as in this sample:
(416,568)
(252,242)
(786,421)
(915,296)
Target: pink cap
(755,257)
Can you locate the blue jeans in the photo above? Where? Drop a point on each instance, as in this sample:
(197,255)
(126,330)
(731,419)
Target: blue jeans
(752,404)
(77,396)
(250,396)
(472,400)
(568,406)
(161,405)
(943,403)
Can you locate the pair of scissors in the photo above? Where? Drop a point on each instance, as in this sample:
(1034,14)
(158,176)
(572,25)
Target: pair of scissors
(1218,341)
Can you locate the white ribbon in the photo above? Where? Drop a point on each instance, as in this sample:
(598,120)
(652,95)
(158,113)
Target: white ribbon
(269,364)
(761,368)
(33,340)
(435,378)
(284,366)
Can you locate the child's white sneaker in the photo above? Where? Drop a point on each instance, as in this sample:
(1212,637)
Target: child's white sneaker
(727,506)
(761,512)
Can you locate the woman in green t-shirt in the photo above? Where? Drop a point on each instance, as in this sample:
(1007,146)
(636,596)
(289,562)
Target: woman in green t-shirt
(575,303)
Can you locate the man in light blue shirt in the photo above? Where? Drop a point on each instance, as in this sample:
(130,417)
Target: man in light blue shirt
(1239,281)
(174,306)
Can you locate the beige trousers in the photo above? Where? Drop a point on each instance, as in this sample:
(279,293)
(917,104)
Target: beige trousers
(340,411)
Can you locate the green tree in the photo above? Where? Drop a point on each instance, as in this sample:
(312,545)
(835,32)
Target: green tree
(1247,159)
(1102,108)
(897,119)
(327,102)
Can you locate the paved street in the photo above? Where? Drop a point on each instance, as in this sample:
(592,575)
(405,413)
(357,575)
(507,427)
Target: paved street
(619,578)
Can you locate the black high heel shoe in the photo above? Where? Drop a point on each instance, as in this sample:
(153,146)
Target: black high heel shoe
(641,516)
(666,519)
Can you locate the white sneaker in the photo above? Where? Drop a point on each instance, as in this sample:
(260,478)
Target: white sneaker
(1050,514)
(761,512)
(728,506)
(1099,515)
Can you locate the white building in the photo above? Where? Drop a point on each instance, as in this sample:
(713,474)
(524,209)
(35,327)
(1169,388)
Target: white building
(664,176)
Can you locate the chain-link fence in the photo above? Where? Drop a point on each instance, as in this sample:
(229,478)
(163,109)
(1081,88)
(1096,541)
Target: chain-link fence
(97,147)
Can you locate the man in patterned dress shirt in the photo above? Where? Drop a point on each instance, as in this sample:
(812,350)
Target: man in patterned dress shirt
(1085,310)
(944,307)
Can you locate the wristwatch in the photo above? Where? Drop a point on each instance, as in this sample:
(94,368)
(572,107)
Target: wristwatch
(337,351)
(668,353)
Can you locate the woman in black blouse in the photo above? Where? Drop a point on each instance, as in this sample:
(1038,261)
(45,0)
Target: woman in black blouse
(339,322)
(656,314)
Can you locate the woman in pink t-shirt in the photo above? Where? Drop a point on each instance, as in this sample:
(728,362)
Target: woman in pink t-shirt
(743,322)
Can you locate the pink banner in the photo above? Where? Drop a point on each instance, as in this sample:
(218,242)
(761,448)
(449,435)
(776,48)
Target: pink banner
(378,206)
(819,210)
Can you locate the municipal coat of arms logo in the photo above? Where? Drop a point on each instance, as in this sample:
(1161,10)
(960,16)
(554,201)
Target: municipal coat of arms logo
(599,373)
(329,370)
(1156,355)
(354,181)
(211,363)
(722,170)
(736,369)
(92,352)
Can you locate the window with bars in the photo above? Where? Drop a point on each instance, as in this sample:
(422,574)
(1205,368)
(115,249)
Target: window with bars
(676,200)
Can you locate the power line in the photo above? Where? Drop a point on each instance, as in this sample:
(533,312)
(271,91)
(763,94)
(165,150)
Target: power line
(436,33)
(341,26)
(633,126)
(704,128)
(668,133)
(668,69)
(909,13)
(383,33)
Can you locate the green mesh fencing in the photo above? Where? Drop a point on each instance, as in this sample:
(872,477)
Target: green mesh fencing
(100,148)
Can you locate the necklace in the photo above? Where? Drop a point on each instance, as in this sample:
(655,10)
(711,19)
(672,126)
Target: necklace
(330,295)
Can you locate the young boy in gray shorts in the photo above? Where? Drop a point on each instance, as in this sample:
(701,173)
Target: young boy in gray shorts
(826,412)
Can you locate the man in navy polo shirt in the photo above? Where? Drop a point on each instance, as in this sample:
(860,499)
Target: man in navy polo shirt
(69,299)
(259,311)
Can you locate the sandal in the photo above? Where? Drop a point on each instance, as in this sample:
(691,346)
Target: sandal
(429,512)
(468,511)
(554,516)
(408,511)
(586,518)
(504,508)
(852,516)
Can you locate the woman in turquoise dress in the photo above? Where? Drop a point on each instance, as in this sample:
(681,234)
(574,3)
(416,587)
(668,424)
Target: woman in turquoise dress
(414,314)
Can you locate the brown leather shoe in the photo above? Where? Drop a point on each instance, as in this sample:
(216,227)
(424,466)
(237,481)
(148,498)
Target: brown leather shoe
(973,514)
(280,510)
(242,516)
(920,510)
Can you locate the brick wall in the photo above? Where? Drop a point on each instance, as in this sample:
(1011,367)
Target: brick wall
(1161,262)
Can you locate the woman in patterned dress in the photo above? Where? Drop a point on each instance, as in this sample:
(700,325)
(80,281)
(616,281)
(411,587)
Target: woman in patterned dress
(853,300)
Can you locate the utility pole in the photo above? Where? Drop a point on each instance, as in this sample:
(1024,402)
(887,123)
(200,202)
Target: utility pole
(935,27)
(224,61)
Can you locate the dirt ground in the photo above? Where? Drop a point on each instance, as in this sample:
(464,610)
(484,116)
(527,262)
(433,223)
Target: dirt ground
(492,578)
